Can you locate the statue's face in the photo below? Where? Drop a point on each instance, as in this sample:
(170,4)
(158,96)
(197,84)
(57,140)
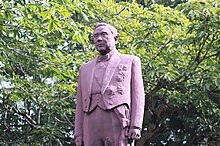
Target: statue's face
(104,40)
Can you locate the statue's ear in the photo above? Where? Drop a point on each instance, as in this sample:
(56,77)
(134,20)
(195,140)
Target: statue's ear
(116,39)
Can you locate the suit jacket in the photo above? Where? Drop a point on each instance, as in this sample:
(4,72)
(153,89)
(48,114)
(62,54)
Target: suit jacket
(122,84)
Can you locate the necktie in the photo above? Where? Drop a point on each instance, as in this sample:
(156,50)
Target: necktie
(103,57)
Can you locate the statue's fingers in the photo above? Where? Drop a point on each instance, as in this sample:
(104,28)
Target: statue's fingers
(126,132)
(133,135)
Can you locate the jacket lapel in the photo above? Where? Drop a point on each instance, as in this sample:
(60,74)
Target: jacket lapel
(113,63)
(91,75)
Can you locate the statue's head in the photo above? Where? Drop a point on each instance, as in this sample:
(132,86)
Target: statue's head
(105,38)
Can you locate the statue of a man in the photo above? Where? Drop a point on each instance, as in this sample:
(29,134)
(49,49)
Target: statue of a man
(110,95)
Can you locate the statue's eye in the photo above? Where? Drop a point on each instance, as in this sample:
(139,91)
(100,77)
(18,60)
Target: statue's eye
(103,34)
(95,35)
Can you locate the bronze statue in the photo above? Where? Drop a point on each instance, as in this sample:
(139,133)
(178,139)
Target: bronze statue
(110,95)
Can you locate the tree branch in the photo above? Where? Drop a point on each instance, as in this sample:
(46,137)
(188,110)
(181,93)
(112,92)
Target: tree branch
(27,117)
(161,48)
(120,11)
(198,56)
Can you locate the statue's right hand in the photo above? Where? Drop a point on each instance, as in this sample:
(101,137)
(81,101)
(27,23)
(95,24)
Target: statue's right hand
(79,141)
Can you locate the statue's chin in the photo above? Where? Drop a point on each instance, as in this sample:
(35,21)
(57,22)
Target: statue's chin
(104,51)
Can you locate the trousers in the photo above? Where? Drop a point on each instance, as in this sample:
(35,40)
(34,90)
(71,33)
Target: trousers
(103,128)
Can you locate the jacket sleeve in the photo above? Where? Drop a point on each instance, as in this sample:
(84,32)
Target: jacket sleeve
(79,111)
(137,94)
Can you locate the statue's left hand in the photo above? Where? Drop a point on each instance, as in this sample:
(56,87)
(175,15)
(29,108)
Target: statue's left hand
(79,141)
(134,133)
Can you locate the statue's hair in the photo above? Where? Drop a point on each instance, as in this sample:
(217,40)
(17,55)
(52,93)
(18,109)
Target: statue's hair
(111,28)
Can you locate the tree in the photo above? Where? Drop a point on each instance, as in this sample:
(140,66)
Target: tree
(148,3)
(43,44)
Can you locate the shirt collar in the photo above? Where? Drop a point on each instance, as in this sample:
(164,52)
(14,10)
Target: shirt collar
(106,56)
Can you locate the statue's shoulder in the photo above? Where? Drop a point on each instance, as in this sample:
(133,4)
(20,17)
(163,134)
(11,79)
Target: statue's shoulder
(128,56)
(88,64)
